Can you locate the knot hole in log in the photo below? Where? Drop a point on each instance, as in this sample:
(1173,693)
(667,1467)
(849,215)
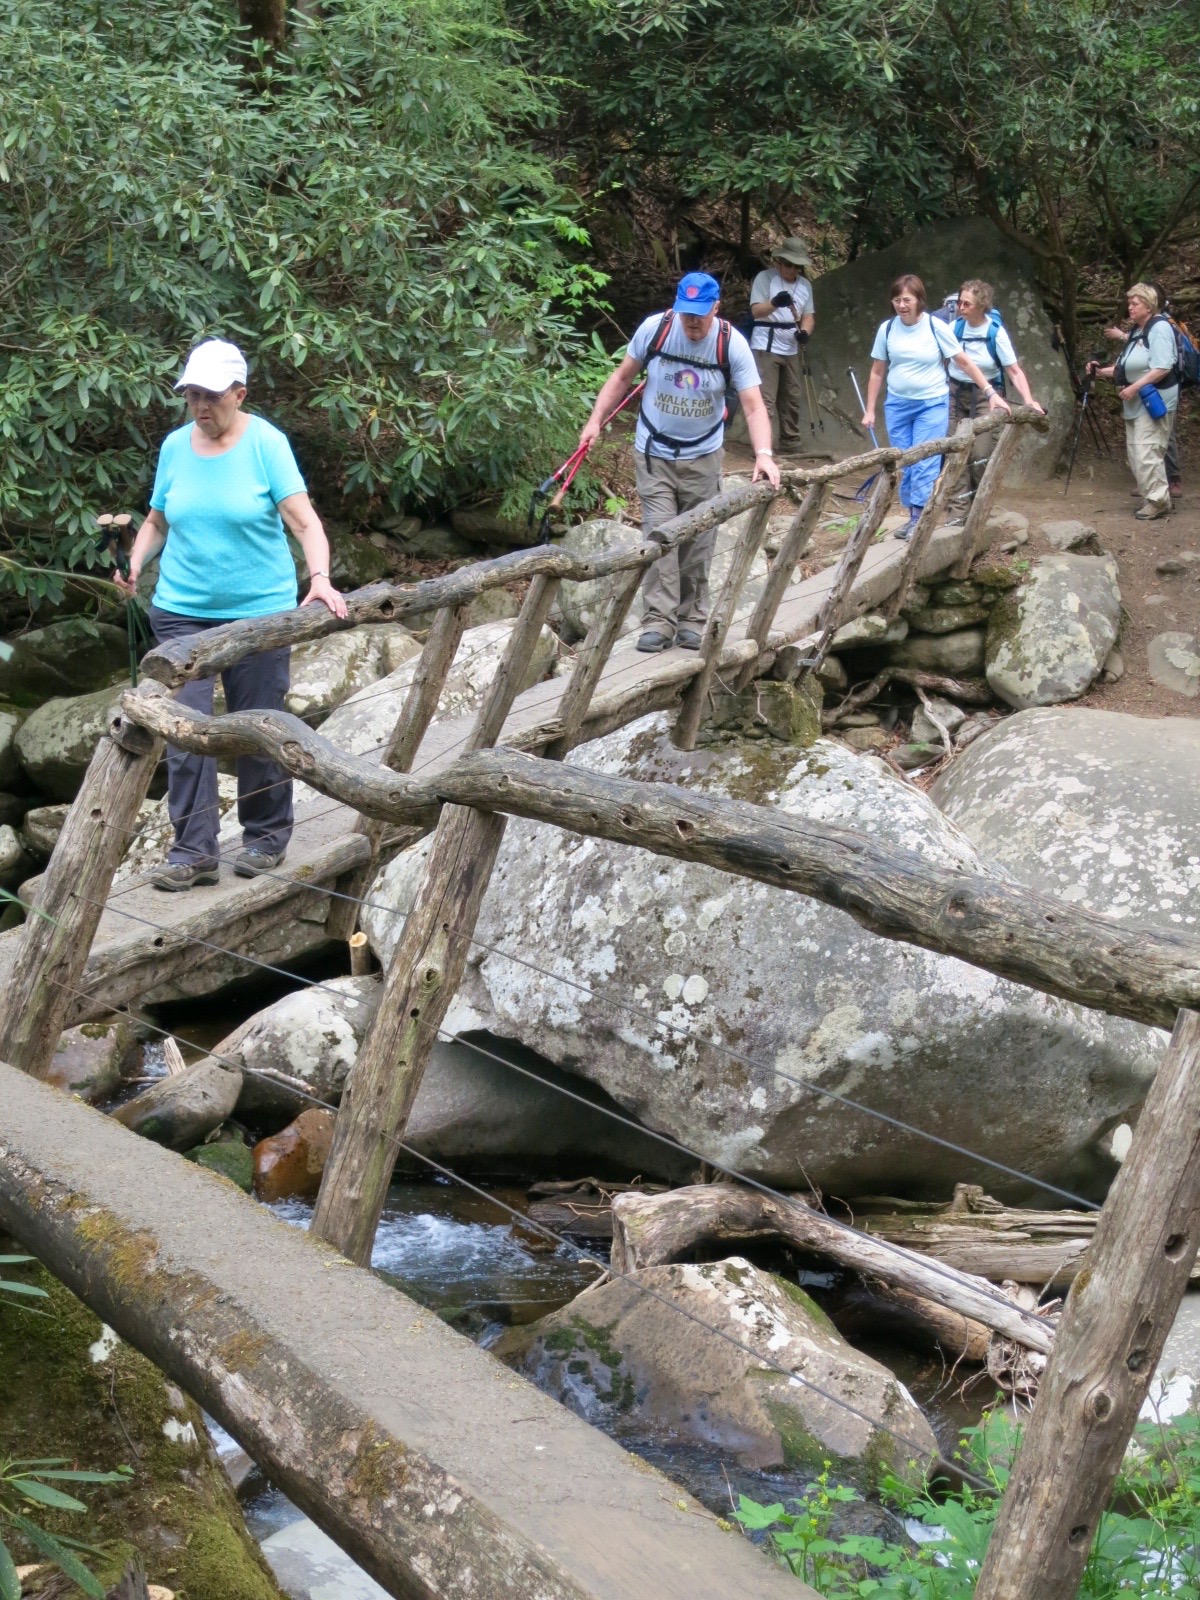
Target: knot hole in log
(1135,1360)
(293,752)
(684,828)
(1079,1535)
(956,907)
(1102,1405)
(387,608)
(1175,1246)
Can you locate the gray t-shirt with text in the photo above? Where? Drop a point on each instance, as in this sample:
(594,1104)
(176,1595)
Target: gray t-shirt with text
(682,399)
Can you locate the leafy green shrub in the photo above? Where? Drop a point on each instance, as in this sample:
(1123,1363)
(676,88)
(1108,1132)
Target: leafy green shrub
(1148,1542)
(358,211)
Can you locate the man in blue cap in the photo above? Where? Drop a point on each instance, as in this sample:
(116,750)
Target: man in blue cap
(691,358)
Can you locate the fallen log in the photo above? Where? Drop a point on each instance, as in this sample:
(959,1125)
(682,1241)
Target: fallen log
(650,1230)
(978,1234)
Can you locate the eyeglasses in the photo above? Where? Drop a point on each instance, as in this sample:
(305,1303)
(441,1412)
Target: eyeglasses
(195,396)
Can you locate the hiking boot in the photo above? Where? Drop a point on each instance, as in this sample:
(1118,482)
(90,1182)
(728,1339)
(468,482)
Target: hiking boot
(687,638)
(1151,512)
(905,533)
(1175,488)
(175,875)
(651,642)
(250,863)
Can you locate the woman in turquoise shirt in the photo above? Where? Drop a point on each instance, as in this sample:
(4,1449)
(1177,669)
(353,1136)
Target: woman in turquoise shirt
(227,483)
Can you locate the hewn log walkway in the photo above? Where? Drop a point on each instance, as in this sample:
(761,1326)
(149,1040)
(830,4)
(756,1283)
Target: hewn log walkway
(145,939)
(423,1456)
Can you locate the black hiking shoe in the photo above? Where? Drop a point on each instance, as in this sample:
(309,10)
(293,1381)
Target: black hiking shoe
(687,638)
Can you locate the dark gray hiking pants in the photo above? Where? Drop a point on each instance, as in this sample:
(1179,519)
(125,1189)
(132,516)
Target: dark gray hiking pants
(258,683)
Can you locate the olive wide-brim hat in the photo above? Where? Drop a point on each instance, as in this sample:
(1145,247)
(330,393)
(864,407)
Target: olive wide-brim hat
(793,250)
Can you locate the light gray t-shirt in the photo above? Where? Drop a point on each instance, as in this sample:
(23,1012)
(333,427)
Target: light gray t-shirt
(1142,356)
(765,287)
(916,356)
(682,399)
(975,344)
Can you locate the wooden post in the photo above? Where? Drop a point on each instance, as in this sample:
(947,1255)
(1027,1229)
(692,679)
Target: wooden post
(422,979)
(795,542)
(57,937)
(953,463)
(853,555)
(975,529)
(420,706)
(590,662)
(1117,1317)
(695,696)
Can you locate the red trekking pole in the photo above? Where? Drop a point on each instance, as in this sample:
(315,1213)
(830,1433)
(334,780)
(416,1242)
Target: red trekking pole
(553,496)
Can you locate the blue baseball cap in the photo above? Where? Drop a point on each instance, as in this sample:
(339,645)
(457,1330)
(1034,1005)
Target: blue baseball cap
(697,294)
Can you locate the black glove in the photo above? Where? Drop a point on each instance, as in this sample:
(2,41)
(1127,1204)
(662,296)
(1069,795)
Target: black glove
(783,298)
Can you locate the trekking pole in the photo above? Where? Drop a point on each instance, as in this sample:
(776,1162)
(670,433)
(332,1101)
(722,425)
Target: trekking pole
(810,390)
(137,624)
(565,476)
(1085,391)
(861,492)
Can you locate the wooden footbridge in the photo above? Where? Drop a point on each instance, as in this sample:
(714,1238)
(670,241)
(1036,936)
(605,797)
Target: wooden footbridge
(403,1441)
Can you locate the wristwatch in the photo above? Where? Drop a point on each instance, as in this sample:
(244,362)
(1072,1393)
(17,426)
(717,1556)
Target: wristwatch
(318,574)
(758,453)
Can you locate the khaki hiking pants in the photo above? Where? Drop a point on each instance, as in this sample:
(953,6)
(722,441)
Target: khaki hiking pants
(780,379)
(1146,440)
(675,588)
(968,401)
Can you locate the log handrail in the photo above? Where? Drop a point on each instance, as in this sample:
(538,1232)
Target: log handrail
(201,655)
(1143,973)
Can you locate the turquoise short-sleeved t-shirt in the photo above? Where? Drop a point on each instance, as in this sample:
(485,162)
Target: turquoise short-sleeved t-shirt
(916,356)
(227,553)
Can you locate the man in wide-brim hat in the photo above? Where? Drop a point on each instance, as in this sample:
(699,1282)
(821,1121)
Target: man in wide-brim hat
(781,304)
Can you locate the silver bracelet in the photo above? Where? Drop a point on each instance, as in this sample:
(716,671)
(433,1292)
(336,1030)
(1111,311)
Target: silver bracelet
(317,575)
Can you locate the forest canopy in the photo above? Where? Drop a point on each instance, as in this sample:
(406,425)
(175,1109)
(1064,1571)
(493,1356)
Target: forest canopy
(403,209)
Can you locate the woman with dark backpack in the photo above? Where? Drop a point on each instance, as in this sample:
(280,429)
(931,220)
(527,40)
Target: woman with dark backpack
(1149,388)
(983,336)
(911,350)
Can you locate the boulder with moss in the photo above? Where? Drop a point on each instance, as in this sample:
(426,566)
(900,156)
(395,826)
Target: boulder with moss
(69,1387)
(621,1354)
(1048,640)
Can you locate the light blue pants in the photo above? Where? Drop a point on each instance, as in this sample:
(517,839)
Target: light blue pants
(911,422)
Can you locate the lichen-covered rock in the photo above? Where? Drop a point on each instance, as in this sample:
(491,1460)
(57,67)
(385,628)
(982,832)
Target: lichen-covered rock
(946,618)
(363,723)
(1174,662)
(869,629)
(1096,807)
(959,654)
(926,731)
(621,1354)
(90,1060)
(10,763)
(718,1010)
(471,1110)
(579,602)
(325,672)
(1047,641)
(56,742)
(66,657)
(182,1111)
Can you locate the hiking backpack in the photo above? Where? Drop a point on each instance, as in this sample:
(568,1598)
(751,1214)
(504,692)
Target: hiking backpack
(1186,371)
(656,352)
(994,323)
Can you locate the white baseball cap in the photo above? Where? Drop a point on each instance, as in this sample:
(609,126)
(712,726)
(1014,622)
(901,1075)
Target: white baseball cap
(214,365)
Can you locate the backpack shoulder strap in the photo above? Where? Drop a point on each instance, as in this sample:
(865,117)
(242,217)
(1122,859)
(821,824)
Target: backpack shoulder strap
(661,334)
(724,329)
(960,324)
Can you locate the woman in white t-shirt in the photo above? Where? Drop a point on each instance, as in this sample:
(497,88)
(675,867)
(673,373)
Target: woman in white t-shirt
(911,350)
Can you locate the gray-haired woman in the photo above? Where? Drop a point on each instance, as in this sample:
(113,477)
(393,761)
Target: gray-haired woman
(1149,390)
(227,483)
(986,340)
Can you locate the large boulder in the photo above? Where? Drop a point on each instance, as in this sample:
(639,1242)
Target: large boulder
(482,1104)
(1048,640)
(579,602)
(57,741)
(181,1111)
(853,301)
(1096,807)
(1174,662)
(623,1353)
(726,1013)
(67,657)
(365,721)
(327,671)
